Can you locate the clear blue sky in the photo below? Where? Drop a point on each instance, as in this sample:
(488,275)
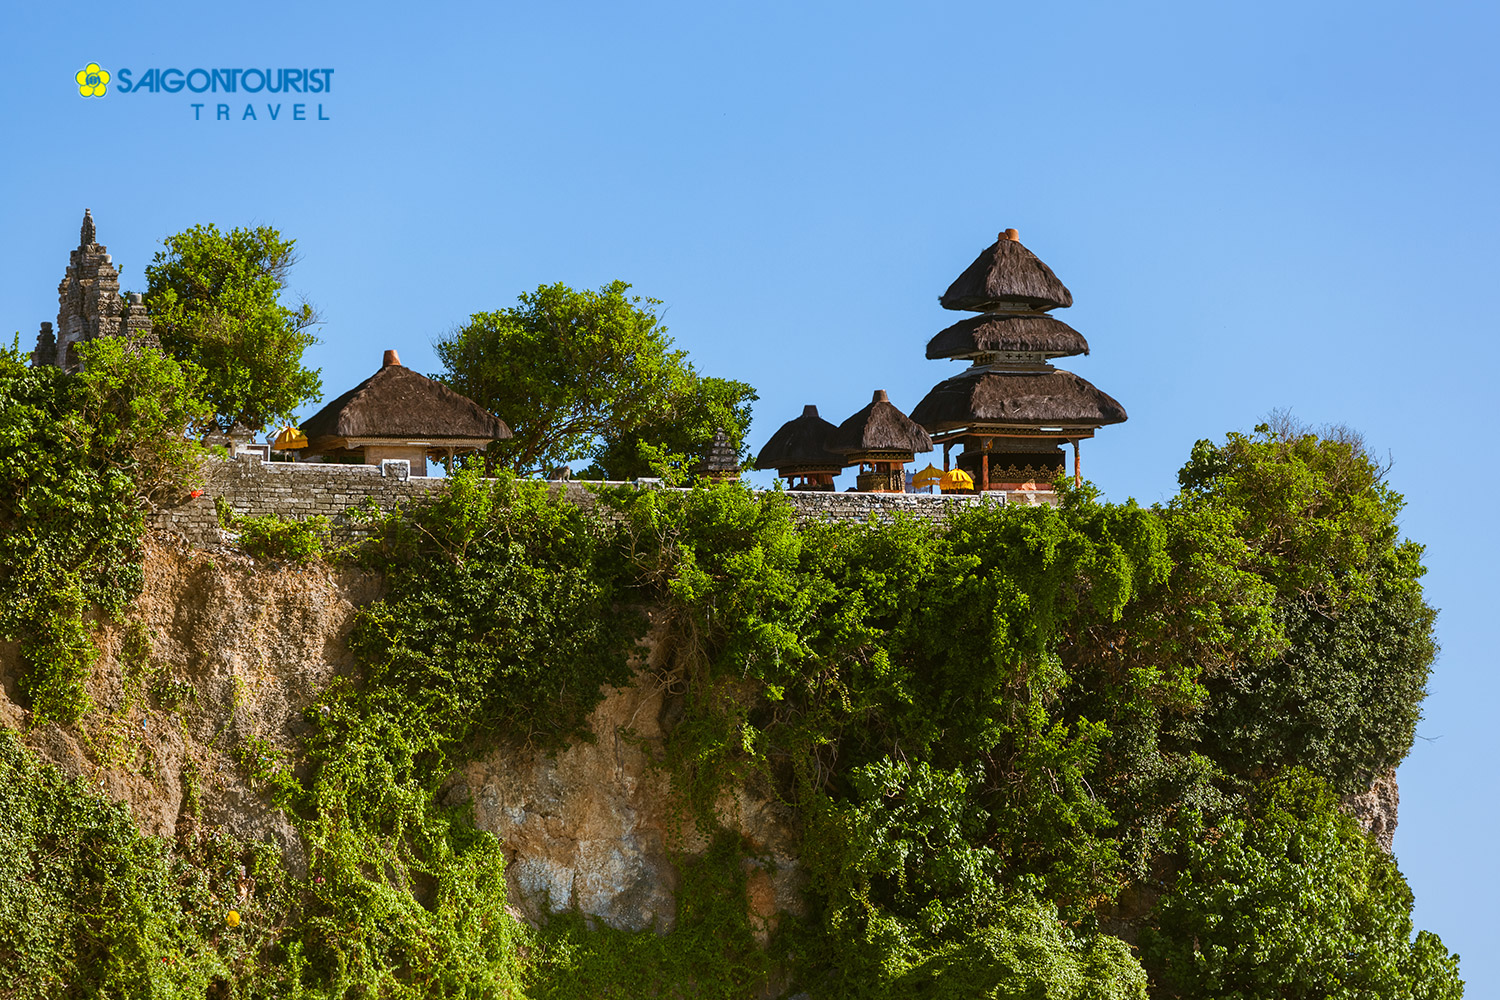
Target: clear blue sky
(1255,205)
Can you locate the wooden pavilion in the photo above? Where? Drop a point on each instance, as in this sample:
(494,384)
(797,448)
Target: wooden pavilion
(881,440)
(1012,410)
(399,414)
(798,453)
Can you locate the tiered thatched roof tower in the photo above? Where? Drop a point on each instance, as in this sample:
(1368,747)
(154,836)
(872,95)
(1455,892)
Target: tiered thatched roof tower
(1011,410)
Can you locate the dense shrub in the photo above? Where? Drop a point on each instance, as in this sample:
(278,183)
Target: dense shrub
(81,458)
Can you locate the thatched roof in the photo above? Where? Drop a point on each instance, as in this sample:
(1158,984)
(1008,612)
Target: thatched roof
(1007,274)
(1027,398)
(800,443)
(985,334)
(396,402)
(879,427)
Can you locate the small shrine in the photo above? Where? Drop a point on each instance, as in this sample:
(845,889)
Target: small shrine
(721,462)
(399,414)
(798,452)
(1011,410)
(881,440)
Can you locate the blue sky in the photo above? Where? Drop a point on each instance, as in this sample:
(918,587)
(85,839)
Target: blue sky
(1255,206)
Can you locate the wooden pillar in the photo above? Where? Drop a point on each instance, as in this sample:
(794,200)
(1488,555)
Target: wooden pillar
(984,471)
(947,446)
(1077,465)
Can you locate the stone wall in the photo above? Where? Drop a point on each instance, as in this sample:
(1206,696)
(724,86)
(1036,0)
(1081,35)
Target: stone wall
(255,488)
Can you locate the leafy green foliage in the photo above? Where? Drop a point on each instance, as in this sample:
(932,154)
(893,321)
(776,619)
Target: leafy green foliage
(81,457)
(89,907)
(499,615)
(295,540)
(589,374)
(215,300)
(999,736)
(1290,900)
(676,439)
(711,953)
(136,404)
(1319,528)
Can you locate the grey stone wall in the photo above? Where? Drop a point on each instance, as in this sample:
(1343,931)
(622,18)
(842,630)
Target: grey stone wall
(256,489)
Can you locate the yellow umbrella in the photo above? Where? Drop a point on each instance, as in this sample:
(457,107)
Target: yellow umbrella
(929,476)
(955,480)
(289,439)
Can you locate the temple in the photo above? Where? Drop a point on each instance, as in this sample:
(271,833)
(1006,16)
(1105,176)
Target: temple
(89,305)
(1011,410)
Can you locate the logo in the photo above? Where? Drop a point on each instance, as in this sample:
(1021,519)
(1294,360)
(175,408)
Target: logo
(279,90)
(92,81)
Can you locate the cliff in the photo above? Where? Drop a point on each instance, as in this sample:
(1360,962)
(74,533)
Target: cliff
(239,649)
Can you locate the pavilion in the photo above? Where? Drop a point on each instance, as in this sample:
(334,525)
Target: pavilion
(400,414)
(799,454)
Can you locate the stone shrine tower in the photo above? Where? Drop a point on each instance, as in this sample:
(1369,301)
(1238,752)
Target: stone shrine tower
(89,305)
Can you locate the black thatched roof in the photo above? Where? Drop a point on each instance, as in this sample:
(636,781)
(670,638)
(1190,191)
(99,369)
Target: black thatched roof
(801,443)
(396,402)
(984,334)
(879,427)
(1007,274)
(1029,398)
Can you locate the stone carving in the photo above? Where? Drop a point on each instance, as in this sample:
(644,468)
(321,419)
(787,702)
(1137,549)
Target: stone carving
(89,305)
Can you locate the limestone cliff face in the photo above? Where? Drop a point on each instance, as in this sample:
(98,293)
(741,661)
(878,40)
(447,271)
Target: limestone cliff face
(239,649)
(595,826)
(1376,809)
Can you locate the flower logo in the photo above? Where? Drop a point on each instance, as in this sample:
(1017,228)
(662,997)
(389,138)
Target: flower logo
(92,81)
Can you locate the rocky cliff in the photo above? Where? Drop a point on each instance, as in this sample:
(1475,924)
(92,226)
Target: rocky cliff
(239,649)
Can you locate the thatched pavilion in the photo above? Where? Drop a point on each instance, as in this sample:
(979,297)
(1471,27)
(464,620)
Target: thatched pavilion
(881,440)
(399,414)
(1012,410)
(798,453)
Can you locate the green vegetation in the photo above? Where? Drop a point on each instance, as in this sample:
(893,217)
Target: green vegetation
(590,375)
(289,539)
(215,301)
(81,459)
(1289,898)
(1091,751)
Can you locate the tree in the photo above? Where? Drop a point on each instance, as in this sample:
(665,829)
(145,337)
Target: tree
(215,300)
(1319,526)
(677,438)
(1290,899)
(590,374)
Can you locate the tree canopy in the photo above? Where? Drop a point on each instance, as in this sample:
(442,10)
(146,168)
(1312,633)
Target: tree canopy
(216,300)
(590,375)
